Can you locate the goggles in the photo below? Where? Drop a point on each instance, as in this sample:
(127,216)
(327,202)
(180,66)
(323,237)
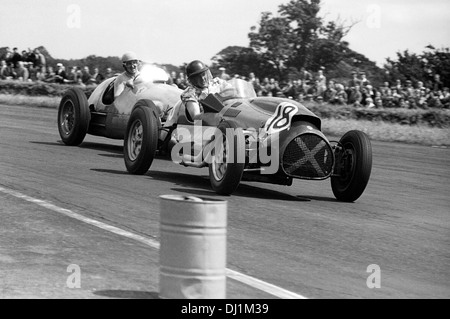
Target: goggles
(129,63)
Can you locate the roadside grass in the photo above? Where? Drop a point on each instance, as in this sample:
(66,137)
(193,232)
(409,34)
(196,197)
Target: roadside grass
(376,130)
(388,132)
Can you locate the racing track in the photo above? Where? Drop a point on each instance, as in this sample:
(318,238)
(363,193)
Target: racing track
(296,238)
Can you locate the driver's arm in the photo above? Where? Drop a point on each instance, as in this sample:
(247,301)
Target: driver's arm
(194,109)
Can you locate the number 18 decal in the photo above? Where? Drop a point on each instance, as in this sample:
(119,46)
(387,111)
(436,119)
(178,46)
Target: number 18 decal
(281,119)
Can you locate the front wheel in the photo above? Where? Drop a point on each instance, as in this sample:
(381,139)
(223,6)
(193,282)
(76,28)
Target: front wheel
(73,117)
(353,166)
(141,139)
(227,159)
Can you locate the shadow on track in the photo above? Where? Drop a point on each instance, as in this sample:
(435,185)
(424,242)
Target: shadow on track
(115,149)
(202,187)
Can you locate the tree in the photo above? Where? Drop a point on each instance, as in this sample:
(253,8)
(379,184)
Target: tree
(298,38)
(305,24)
(420,67)
(242,61)
(272,41)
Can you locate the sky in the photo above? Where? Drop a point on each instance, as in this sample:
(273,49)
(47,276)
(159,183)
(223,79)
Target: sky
(178,31)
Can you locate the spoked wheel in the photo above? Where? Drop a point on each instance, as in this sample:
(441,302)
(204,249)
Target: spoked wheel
(353,166)
(141,139)
(73,117)
(227,159)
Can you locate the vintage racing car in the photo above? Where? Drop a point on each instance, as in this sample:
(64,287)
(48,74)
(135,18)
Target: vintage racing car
(240,136)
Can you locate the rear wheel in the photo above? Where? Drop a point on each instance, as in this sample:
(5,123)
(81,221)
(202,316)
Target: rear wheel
(227,159)
(141,139)
(353,166)
(73,117)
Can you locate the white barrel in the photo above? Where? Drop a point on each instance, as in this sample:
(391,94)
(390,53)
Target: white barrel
(192,254)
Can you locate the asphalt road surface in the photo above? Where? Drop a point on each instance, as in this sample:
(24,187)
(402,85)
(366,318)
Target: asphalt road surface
(75,210)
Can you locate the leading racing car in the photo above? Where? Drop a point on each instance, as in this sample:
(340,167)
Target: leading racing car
(240,136)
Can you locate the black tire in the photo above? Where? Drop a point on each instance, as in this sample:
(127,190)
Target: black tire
(226,175)
(141,138)
(353,167)
(73,117)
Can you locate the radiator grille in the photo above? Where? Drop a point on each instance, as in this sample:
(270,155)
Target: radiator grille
(308,156)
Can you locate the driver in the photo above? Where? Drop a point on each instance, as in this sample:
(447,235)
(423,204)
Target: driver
(131,64)
(200,84)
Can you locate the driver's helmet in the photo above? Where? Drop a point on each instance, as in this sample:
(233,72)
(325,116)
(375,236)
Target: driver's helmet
(198,74)
(130,62)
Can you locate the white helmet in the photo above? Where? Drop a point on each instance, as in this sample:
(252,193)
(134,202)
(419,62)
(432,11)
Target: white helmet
(129,56)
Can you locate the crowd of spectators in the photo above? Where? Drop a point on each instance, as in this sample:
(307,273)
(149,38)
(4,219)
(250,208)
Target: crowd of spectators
(358,91)
(31,65)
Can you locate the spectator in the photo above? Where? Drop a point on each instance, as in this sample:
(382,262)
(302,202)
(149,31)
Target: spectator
(5,71)
(385,90)
(72,77)
(80,83)
(181,81)
(86,76)
(50,75)
(41,65)
(355,97)
(369,103)
(264,85)
(408,89)
(97,77)
(341,95)
(173,78)
(398,86)
(16,57)
(444,97)
(251,77)
(321,81)
(354,81)
(60,74)
(306,78)
(258,87)
(273,87)
(437,83)
(421,99)
(378,103)
(312,89)
(330,92)
(364,81)
(22,72)
(109,73)
(8,55)
(290,90)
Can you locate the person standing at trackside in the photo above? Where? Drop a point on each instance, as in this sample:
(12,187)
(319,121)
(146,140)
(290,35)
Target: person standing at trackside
(131,64)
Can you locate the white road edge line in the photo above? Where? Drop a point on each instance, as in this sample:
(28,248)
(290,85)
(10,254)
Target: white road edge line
(248,280)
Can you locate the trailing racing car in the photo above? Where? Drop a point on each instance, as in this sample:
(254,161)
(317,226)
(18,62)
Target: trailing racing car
(239,137)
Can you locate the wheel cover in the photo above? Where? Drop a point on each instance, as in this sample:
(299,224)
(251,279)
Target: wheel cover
(67,117)
(135,140)
(219,160)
